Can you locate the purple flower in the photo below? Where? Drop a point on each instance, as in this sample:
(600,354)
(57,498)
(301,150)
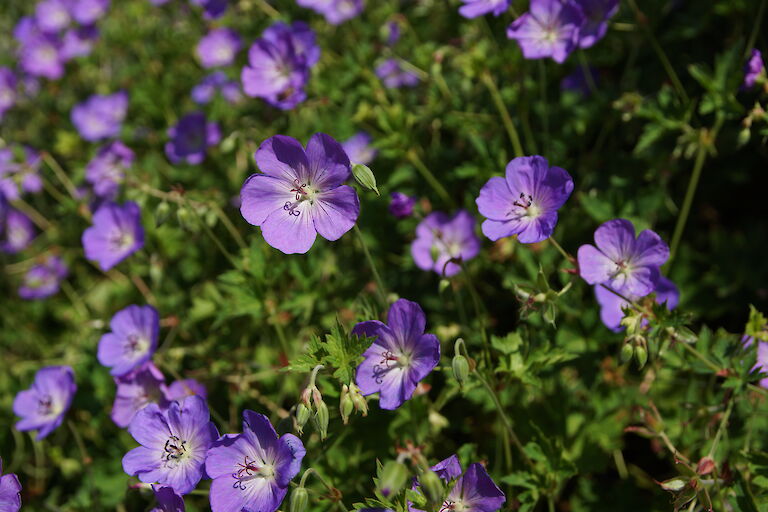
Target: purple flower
(116,234)
(42,407)
(167,500)
(106,171)
(132,341)
(762,357)
(212,9)
(78,42)
(525,203)
(335,11)
(174,443)
(252,470)
(135,391)
(87,12)
(394,75)
(43,279)
(596,16)
(16,231)
(400,356)
(7,90)
(392,32)
(620,261)
(10,491)
(358,148)
(301,36)
(17,177)
(190,138)
(40,55)
(578,81)
(401,205)
(549,29)
(276,71)
(52,15)
(300,193)
(475,8)
(217,81)
(218,48)
(447,469)
(474,491)
(753,69)
(180,389)
(100,116)
(611,304)
(441,239)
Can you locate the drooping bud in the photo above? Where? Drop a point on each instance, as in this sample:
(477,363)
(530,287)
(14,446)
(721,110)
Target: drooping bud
(299,499)
(302,416)
(641,355)
(392,478)
(460,369)
(321,419)
(627,351)
(346,406)
(359,401)
(432,485)
(364,176)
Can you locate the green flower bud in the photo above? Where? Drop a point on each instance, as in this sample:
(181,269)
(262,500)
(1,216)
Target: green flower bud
(161,213)
(392,478)
(302,416)
(365,177)
(359,401)
(346,406)
(321,419)
(641,355)
(460,369)
(432,485)
(299,499)
(743,137)
(627,351)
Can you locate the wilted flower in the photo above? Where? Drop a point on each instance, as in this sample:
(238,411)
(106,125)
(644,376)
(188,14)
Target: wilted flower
(596,16)
(401,205)
(16,231)
(132,341)
(17,177)
(394,75)
(218,48)
(620,261)
(8,85)
(474,491)
(549,29)
(335,11)
(400,356)
(300,193)
(180,389)
(525,202)
(167,500)
(42,407)
(611,304)
(359,149)
(43,279)
(475,8)
(753,68)
(174,443)
(252,470)
(87,12)
(10,491)
(52,15)
(190,138)
(116,234)
(100,116)
(442,241)
(136,390)
(106,171)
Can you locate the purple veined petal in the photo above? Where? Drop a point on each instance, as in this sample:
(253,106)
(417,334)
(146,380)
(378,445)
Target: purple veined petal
(421,250)
(475,491)
(335,212)
(616,239)
(650,249)
(194,418)
(639,281)
(289,233)
(369,328)
(150,427)
(448,469)
(368,372)
(10,492)
(495,200)
(267,72)
(538,229)
(283,157)
(328,162)
(25,403)
(262,495)
(395,389)
(168,500)
(261,195)
(141,460)
(224,498)
(290,453)
(610,308)
(223,454)
(594,266)
(262,428)
(495,229)
(407,322)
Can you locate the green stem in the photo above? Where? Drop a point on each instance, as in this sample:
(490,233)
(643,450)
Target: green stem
(427,175)
(80,445)
(514,138)
(380,288)
(722,427)
(544,106)
(562,251)
(480,311)
(587,72)
(60,174)
(682,218)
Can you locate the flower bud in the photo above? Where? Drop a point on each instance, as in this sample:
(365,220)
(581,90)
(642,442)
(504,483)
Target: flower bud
(743,136)
(364,176)
(432,485)
(346,406)
(627,351)
(299,499)
(359,401)
(317,397)
(161,213)
(321,419)
(392,478)
(641,355)
(460,369)
(302,416)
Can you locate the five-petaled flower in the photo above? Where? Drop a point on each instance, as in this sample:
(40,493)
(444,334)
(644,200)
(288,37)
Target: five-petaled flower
(300,193)
(442,242)
(100,116)
(447,469)
(251,471)
(400,356)
(116,234)
(42,407)
(620,261)
(132,341)
(474,491)
(549,29)
(525,203)
(174,443)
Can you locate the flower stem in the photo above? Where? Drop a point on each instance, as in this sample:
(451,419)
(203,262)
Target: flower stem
(698,165)
(480,312)
(560,249)
(427,174)
(756,28)
(505,118)
(380,288)
(722,427)
(544,106)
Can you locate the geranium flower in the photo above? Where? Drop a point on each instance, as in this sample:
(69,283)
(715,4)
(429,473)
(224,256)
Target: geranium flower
(42,407)
(132,341)
(550,28)
(116,234)
(441,239)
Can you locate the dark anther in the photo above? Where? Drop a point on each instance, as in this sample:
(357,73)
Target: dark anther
(524,203)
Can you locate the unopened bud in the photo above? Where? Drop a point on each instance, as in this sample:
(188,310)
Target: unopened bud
(641,355)
(443,285)
(299,499)
(627,351)
(346,406)
(359,401)
(743,137)
(317,397)
(392,478)
(321,419)
(673,484)
(460,369)
(432,485)
(306,395)
(302,416)
(161,213)
(365,177)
